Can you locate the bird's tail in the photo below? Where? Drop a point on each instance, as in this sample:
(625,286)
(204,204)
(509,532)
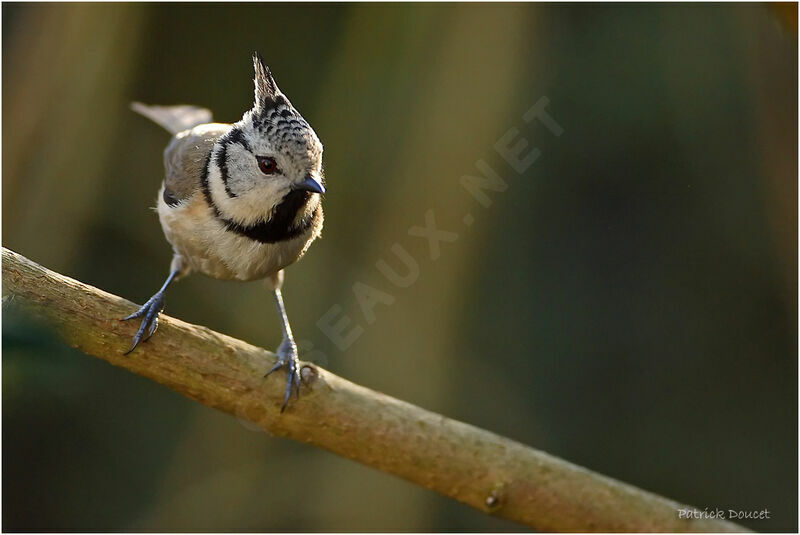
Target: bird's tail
(174,118)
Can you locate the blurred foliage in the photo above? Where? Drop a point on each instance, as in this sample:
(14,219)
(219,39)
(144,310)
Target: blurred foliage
(629,304)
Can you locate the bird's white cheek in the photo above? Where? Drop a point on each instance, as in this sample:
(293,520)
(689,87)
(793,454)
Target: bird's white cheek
(268,192)
(259,201)
(241,175)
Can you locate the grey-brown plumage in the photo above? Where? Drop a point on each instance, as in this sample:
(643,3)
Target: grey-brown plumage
(185,157)
(239,201)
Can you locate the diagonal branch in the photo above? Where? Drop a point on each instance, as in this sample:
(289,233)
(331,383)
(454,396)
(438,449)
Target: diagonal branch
(486,471)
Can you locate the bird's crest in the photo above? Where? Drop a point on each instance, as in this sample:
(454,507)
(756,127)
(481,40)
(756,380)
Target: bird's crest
(266,90)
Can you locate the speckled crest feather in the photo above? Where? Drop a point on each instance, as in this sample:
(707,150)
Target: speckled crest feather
(266,90)
(274,117)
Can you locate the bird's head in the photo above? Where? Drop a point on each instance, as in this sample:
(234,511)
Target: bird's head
(271,157)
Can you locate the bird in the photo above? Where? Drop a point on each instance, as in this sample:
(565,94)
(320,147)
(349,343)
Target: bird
(239,201)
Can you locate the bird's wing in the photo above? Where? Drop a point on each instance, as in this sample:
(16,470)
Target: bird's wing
(186,156)
(174,118)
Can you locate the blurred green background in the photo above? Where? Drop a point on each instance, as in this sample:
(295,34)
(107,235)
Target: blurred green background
(629,303)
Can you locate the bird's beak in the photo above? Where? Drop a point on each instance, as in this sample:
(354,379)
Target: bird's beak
(310,184)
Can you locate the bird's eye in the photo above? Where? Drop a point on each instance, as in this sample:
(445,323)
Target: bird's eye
(267,165)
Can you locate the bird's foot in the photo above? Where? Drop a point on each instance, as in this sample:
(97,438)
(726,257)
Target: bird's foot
(287,357)
(149,312)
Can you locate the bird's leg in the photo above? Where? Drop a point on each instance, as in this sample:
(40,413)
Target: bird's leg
(287,353)
(150,310)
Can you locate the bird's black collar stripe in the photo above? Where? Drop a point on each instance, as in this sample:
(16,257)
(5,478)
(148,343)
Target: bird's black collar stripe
(280,227)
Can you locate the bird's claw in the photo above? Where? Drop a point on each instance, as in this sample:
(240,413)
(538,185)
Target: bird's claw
(287,358)
(149,312)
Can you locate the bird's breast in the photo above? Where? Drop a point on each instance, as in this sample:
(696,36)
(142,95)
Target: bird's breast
(210,247)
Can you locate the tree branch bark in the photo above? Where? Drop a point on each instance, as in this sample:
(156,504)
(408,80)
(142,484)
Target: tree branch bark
(481,469)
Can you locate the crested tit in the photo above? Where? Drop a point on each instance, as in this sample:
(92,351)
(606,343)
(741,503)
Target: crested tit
(239,201)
